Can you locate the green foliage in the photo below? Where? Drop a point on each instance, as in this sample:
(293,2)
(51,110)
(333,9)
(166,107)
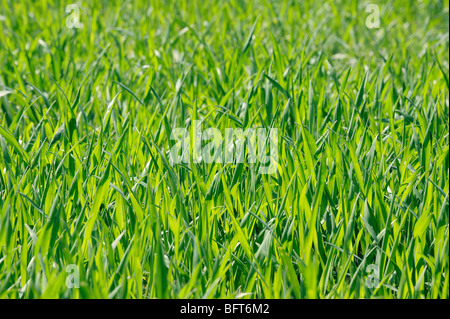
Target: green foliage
(85,122)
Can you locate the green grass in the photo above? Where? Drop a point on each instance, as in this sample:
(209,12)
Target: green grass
(363,178)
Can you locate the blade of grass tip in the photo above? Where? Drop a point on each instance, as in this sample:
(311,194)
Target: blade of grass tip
(129,91)
(11,140)
(249,38)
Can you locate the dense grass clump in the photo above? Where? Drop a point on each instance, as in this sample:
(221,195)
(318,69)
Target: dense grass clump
(358,207)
